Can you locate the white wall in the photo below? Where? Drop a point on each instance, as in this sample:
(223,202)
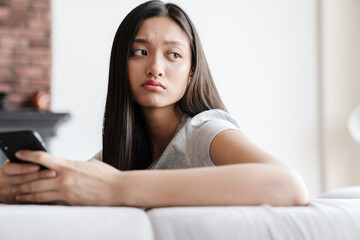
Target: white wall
(341,90)
(262,54)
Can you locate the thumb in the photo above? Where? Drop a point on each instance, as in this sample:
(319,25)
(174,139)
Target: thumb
(39,157)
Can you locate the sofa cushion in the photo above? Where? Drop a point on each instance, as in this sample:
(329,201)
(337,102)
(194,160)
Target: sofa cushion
(345,192)
(39,222)
(321,219)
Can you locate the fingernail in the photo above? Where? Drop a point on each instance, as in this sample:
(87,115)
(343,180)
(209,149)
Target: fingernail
(34,168)
(18,198)
(18,154)
(14,190)
(50,174)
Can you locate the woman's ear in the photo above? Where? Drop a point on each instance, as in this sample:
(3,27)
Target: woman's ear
(190,77)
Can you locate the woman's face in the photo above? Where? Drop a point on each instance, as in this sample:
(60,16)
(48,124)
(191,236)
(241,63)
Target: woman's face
(160,63)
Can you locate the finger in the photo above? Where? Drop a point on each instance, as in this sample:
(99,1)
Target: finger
(40,197)
(40,157)
(20,179)
(19,168)
(35,186)
(6,195)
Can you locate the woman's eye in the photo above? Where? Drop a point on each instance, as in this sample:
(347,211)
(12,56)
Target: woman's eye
(140,52)
(174,55)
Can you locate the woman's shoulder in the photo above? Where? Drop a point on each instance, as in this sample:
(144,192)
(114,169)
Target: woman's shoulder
(208,124)
(214,117)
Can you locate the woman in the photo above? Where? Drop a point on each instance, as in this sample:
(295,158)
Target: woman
(162,112)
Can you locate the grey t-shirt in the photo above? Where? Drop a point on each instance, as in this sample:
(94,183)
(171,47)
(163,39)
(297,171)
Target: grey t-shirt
(190,147)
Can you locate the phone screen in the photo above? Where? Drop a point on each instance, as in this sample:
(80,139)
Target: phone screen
(11,142)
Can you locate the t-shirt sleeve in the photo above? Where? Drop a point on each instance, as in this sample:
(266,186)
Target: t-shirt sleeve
(204,127)
(98,156)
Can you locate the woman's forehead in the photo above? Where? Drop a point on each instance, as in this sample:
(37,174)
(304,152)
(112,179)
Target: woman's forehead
(162,29)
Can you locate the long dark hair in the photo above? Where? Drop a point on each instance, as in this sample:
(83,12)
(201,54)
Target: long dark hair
(126,141)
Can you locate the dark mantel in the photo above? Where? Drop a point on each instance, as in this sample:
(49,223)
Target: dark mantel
(45,123)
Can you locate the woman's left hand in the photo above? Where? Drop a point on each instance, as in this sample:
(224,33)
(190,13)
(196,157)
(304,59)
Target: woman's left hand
(89,182)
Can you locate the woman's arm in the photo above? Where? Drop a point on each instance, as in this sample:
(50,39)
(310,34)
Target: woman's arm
(247,176)
(239,184)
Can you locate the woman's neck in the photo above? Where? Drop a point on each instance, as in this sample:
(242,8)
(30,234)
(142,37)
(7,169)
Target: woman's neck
(162,124)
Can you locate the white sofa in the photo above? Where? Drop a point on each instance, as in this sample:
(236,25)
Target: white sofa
(333,216)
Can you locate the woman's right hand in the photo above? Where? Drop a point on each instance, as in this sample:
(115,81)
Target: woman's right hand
(12,174)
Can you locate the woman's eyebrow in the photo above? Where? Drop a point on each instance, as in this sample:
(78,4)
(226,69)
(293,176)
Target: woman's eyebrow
(140,40)
(144,41)
(174,43)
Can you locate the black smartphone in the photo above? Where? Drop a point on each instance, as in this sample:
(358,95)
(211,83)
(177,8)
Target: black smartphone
(11,142)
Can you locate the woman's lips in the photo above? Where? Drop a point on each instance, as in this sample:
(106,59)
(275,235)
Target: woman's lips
(152,85)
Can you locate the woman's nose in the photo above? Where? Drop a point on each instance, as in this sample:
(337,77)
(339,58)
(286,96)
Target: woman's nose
(155,67)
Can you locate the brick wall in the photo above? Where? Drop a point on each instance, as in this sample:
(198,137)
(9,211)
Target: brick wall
(25,50)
